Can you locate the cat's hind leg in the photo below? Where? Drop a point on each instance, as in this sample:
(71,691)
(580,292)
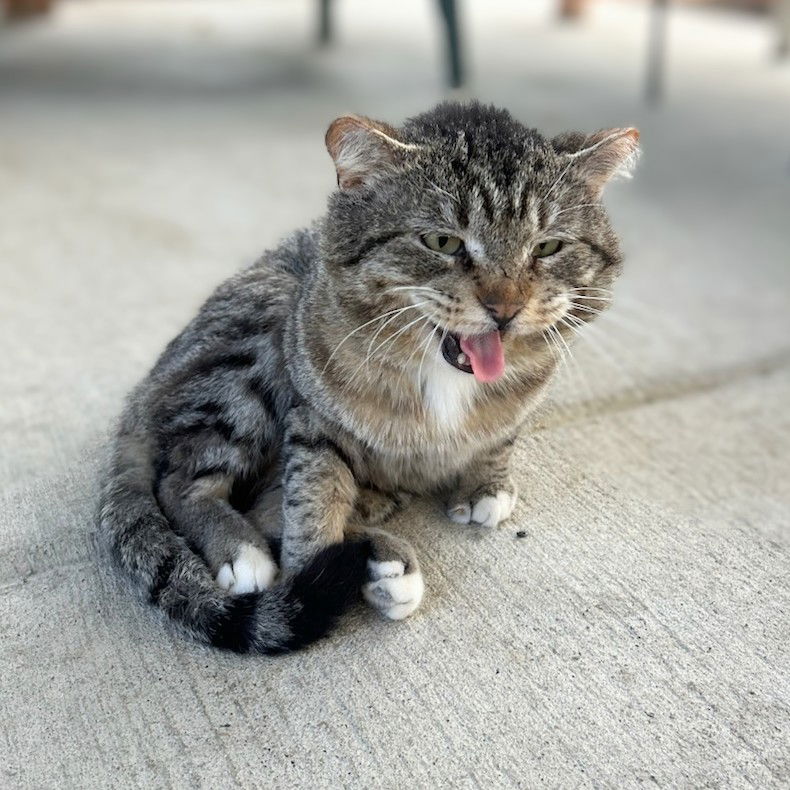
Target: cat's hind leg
(234,550)
(395,586)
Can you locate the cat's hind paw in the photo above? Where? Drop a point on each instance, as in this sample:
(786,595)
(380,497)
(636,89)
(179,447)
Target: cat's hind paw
(252,570)
(392,591)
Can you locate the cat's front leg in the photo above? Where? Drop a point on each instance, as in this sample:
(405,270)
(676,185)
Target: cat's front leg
(320,495)
(395,586)
(319,490)
(485,493)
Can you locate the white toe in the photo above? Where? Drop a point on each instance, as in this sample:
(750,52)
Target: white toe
(460,514)
(225,576)
(386,569)
(394,593)
(253,570)
(486,511)
(491,510)
(506,503)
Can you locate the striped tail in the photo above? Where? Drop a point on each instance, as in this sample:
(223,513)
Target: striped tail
(286,617)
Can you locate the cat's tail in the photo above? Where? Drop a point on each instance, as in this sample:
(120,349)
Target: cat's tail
(170,575)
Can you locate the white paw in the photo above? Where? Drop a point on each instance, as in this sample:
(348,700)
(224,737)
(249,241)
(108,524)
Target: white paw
(251,571)
(488,511)
(393,592)
(460,514)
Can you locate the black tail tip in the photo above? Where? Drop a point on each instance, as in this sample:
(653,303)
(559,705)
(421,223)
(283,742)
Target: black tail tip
(314,600)
(325,588)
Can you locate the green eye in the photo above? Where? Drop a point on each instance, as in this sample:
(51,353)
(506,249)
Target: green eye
(449,245)
(546,248)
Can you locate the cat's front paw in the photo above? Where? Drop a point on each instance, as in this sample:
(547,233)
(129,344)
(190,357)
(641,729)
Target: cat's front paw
(487,510)
(395,593)
(251,570)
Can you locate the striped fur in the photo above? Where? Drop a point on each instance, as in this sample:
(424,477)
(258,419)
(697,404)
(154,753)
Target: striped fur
(316,376)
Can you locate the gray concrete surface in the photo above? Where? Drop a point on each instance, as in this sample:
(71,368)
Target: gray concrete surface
(638,634)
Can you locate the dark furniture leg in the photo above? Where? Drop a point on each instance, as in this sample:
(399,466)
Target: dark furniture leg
(654,84)
(450,16)
(324,22)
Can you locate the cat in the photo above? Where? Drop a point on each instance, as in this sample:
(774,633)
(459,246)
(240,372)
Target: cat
(395,348)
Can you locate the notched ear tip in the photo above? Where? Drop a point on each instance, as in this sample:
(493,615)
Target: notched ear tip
(607,154)
(625,140)
(338,130)
(631,136)
(362,149)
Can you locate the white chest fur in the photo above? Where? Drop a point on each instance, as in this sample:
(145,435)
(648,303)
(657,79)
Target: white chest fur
(447,393)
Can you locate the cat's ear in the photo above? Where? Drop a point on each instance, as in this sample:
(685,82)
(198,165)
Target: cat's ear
(601,156)
(363,149)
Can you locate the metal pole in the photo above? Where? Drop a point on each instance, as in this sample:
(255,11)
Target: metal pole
(324,22)
(656,52)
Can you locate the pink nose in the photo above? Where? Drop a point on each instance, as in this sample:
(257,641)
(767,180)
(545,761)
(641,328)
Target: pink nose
(502,312)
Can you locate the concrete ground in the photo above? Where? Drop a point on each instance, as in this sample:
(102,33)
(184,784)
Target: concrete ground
(638,634)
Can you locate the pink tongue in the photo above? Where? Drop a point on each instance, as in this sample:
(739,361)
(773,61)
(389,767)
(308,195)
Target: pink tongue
(485,355)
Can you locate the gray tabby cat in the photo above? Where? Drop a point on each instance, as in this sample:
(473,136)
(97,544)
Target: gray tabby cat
(394,348)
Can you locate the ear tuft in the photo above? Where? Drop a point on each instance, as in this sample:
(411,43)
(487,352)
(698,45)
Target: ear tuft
(363,149)
(605,155)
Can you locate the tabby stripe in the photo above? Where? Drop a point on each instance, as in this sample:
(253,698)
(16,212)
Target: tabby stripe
(321,444)
(263,392)
(207,471)
(607,257)
(247,327)
(369,246)
(220,426)
(543,214)
(193,416)
(524,202)
(233,361)
(488,202)
(162,576)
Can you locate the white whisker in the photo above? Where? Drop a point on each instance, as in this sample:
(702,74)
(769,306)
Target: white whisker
(579,374)
(600,350)
(385,324)
(592,298)
(413,288)
(390,339)
(368,323)
(443,191)
(422,359)
(607,291)
(559,179)
(586,309)
(580,205)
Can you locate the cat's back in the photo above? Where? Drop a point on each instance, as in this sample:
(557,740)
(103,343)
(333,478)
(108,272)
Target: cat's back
(254,302)
(238,329)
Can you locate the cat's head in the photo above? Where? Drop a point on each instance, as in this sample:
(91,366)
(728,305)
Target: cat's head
(485,230)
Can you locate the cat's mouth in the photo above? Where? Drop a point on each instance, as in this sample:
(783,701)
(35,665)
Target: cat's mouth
(480,355)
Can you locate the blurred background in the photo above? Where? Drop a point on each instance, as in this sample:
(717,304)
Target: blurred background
(148,149)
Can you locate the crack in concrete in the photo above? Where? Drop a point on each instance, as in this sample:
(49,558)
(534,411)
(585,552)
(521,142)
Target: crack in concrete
(662,392)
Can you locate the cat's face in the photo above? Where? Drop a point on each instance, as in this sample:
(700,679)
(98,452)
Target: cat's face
(480,228)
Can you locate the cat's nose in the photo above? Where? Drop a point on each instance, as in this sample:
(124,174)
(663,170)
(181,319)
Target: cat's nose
(502,312)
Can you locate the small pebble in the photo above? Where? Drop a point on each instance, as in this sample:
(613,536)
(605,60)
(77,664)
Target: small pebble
(522,533)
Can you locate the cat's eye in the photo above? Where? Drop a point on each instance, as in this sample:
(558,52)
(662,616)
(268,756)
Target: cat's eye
(438,242)
(546,248)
